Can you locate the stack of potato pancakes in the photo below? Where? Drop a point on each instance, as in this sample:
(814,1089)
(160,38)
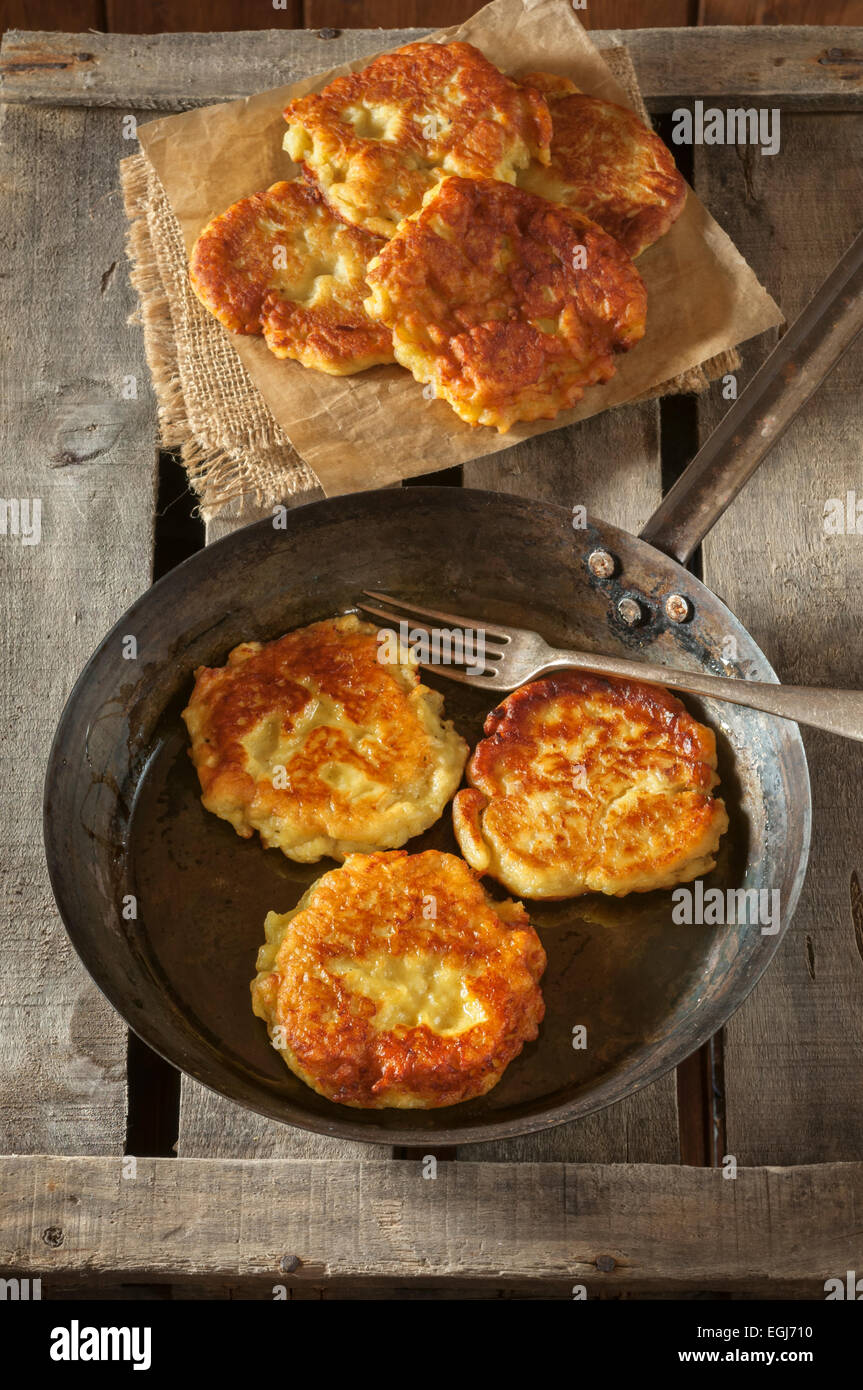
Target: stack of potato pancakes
(479,231)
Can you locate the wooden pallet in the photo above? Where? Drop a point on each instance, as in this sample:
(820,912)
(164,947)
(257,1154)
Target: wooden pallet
(613,1202)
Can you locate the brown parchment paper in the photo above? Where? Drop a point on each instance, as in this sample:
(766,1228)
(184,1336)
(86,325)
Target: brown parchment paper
(375,428)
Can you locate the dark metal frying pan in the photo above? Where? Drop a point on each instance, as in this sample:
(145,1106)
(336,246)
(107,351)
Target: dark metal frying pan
(165,904)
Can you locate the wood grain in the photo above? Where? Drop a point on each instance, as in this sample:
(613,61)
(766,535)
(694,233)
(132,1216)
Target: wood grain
(212,1127)
(794,1051)
(72,440)
(768,1231)
(801,67)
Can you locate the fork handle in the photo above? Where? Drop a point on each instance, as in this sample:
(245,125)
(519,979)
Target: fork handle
(837,711)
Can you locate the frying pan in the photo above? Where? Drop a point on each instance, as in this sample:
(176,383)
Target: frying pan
(165,904)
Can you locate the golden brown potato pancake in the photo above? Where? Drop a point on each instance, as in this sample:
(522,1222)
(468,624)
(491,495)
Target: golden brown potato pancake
(397,982)
(510,305)
(377,140)
(606,163)
(283,264)
(319,747)
(585,784)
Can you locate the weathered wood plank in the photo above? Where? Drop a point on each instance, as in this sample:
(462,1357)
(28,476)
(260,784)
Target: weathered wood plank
(300,1223)
(641,1129)
(73,441)
(173,71)
(794,1052)
(808,68)
(561,468)
(212,1127)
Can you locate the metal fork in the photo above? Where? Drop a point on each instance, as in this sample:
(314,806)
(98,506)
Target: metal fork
(512,656)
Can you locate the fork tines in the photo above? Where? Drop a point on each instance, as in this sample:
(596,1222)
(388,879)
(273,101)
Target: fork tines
(441,619)
(488,644)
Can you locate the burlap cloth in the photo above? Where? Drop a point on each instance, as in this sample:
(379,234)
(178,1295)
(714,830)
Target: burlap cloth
(210,412)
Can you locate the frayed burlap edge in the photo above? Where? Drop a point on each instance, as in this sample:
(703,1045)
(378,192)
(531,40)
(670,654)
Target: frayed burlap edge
(209,410)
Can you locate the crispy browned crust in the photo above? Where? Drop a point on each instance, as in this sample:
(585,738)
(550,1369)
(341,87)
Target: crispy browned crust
(376,140)
(266,266)
(310,703)
(608,164)
(379,903)
(485,295)
(583,784)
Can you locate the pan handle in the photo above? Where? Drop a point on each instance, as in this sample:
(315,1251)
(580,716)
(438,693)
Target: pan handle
(792,373)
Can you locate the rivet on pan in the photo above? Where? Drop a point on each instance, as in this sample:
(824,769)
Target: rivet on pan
(606,1263)
(677,608)
(54,1236)
(288,1263)
(600,563)
(629,612)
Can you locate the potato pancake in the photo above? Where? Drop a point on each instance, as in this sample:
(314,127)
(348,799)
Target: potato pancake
(377,140)
(606,163)
(397,982)
(586,784)
(508,304)
(283,264)
(319,747)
